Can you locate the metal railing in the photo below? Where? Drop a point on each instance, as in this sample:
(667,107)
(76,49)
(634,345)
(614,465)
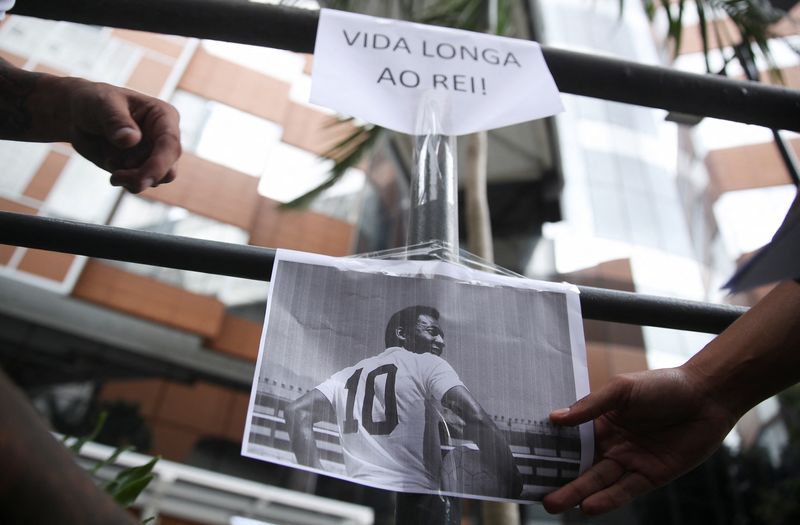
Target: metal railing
(252,262)
(576,73)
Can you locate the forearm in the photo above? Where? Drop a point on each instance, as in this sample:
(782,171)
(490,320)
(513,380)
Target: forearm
(301,435)
(757,356)
(34,106)
(495,452)
(40,482)
(496,455)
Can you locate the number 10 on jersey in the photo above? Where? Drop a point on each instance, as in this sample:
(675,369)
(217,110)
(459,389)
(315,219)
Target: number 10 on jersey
(376,428)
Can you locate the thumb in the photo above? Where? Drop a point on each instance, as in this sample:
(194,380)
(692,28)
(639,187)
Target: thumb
(125,135)
(112,119)
(594,405)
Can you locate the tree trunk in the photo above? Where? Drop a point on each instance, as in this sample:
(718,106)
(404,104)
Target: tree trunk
(479,226)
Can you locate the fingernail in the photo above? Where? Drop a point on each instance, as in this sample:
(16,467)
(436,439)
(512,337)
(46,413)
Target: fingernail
(560,412)
(148,183)
(122,133)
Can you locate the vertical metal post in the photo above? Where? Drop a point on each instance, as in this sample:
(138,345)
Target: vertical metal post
(433,217)
(748,63)
(434,192)
(788,156)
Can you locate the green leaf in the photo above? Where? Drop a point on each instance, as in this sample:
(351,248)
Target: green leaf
(129,483)
(110,459)
(304,200)
(678,32)
(703,21)
(367,137)
(78,444)
(753,20)
(668,12)
(126,494)
(649,8)
(350,142)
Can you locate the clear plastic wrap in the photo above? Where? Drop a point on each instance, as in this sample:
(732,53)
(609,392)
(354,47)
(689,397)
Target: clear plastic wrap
(434,188)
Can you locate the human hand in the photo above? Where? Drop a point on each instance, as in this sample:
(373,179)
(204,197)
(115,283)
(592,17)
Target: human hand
(131,135)
(650,428)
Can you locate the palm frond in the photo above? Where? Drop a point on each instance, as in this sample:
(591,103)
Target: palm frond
(503,17)
(346,153)
(753,20)
(79,442)
(649,8)
(130,482)
(462,14)
(110,460)
(703,21)
(468,14)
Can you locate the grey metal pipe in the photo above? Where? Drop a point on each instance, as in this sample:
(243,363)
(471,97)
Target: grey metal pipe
(122,244)
(434,193)
(252,262)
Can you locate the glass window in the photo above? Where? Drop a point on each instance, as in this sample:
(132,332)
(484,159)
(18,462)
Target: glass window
(735,212)
(289,172)
(672,225)
(237,139)
(73,48)
(82,192)
(194,112)
(24,36)
(115,64)
(225,135)
(643,226)
(343,200)
(140,214)
(20,162)
(609,213)
(276,63)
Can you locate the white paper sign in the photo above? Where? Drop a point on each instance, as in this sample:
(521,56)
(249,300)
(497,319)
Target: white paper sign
(389,73)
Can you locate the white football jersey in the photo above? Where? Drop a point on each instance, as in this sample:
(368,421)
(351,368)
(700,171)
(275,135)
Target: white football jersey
(388,408)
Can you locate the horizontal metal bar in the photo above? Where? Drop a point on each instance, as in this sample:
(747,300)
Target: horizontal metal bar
(650,310)
(229,20)
(251,262)
(122,244)
(577,73)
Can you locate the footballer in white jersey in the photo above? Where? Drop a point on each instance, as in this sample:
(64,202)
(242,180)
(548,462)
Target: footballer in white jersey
(391,405)
(388,408)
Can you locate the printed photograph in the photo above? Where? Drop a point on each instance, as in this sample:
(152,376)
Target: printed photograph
(422,383)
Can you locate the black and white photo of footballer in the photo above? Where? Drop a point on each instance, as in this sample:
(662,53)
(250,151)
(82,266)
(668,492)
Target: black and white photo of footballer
(389,408)
(419,376)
